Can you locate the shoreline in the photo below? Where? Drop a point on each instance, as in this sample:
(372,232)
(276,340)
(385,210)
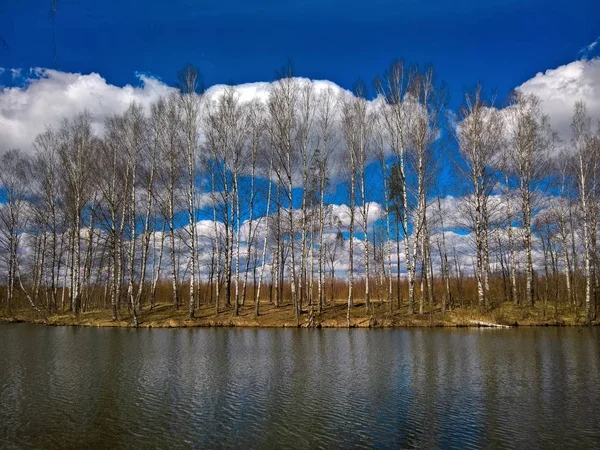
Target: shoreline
(333,316)
(396,326)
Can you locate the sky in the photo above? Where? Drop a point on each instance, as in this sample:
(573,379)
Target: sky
(500,42)
(102,55)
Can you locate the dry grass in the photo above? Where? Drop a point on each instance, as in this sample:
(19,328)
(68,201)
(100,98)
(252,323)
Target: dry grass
(465,309)
(333,316)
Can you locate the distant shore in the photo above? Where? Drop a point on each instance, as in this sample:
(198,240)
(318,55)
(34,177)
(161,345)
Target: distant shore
(332,316)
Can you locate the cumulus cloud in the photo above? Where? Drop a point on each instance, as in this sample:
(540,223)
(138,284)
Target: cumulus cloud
(560,88)
(49,95)
(45,96)
(248,92)
(339,216)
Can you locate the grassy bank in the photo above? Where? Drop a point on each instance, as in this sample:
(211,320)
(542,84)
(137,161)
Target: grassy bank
(333,316)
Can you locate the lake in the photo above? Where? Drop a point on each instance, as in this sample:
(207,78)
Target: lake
(281,388)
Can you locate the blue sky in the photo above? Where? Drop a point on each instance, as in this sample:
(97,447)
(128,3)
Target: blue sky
(502,43)
(544,47)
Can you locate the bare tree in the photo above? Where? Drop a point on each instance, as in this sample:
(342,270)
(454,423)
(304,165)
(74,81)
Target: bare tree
(190,87)
(393,88)
(282,105)
(256,125)
(171,178)
(15,183)
(325,122)
(352,108)
(425,106)
(586,165)
(148,176)
(76,149)
(47,166)
(479,135)
(531,142)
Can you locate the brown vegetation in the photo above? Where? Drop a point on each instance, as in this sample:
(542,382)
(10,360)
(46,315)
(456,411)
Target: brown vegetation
(163,315)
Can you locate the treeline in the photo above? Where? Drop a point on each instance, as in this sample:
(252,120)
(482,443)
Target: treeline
(221,197)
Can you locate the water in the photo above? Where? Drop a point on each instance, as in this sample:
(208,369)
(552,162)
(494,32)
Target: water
(207,388)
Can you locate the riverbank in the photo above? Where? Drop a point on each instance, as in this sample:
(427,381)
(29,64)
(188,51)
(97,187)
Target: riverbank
(333,316)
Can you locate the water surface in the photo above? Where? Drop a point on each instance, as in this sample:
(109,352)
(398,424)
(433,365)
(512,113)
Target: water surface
(69,387)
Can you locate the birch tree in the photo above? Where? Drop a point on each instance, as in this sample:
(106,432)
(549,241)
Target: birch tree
(393,87)
(77,144)
(350,111)
(531,141)
(14,189)
(479,135)
(283,121)
(586,155)
(47,166)
(190,87)
(325,123)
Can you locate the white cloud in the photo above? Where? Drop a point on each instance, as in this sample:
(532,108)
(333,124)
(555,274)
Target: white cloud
(46,96)
(208,229)
(585,51)
(49,95)
(247,92)
(339,216)
(260,90)
(560,88)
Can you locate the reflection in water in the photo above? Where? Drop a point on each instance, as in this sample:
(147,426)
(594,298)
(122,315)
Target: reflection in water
(69,387)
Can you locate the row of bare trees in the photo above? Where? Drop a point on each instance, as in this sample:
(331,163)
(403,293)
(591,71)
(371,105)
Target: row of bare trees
(519,170)
(221,197)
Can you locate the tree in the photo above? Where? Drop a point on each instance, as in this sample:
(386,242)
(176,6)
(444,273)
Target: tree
(352,108)
(587,155)
(189,98)
(14,190)
(393,87)
(325,123)
(479,134)
(531,140)
(283,123)
(47,165)
(76,149)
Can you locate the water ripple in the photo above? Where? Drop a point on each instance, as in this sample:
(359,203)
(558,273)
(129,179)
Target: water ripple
(220,388)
